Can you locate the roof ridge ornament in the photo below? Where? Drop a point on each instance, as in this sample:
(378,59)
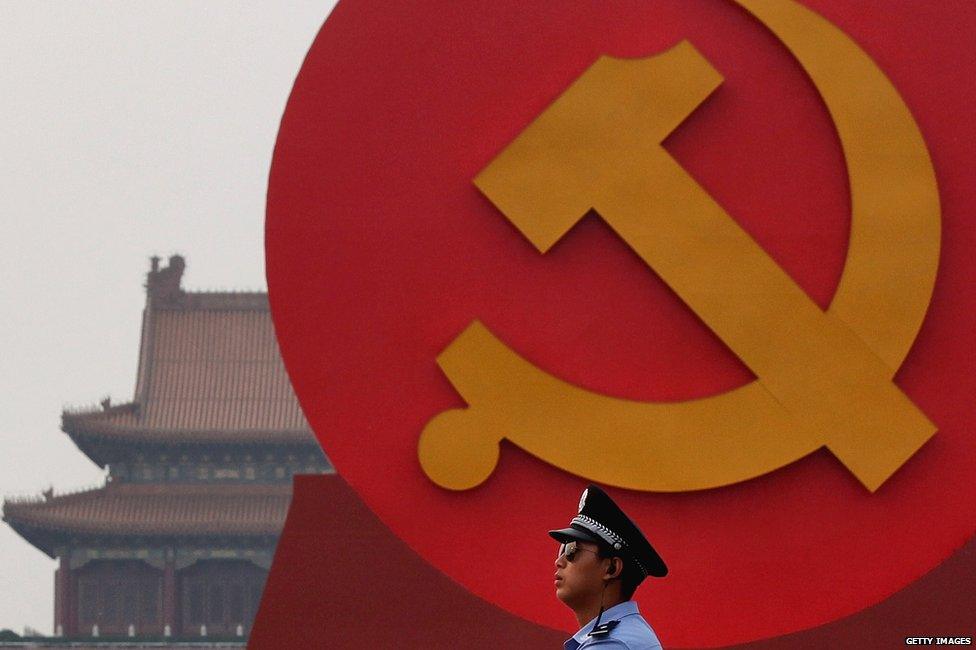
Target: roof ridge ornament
(164,285)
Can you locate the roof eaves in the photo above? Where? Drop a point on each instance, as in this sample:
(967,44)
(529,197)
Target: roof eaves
(95,428)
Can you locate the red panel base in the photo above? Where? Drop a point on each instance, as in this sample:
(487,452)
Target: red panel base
(341,579)
(940,604)
(348,582)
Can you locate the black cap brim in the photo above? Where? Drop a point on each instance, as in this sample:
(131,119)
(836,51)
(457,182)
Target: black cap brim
(574,534)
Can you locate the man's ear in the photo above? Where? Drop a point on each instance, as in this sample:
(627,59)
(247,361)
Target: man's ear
(614,568)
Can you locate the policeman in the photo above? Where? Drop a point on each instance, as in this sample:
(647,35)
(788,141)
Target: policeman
(603,557)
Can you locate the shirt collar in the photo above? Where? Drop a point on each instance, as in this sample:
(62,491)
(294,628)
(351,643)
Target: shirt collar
(618,611)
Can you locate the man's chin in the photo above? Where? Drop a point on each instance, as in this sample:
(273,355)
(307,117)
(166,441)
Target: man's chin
(562,593)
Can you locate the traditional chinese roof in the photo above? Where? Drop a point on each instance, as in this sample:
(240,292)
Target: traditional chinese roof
(164,509)
(209,372)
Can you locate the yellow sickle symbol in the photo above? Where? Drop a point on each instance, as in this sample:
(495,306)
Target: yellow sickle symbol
(823,378)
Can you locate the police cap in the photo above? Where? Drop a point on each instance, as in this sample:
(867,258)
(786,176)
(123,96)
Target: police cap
(602,522)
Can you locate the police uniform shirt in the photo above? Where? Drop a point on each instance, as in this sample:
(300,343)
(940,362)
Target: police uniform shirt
(628,630)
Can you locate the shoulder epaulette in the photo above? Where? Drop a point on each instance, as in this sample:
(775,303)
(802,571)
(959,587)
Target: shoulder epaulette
(603,629)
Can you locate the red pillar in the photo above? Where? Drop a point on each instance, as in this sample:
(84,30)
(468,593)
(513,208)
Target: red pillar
(65,615)
(58,603)
(169,595)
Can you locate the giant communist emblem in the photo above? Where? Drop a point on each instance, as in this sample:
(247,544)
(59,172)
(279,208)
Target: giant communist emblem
(824,379)
(727,362)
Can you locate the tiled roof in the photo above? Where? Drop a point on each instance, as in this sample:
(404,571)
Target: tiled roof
(154,509)
(128,427)
(217,370)
(209,370)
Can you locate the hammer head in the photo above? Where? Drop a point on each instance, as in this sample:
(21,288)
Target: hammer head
(608,124)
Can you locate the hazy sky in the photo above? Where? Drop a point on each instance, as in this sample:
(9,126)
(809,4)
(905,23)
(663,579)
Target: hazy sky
(126,129)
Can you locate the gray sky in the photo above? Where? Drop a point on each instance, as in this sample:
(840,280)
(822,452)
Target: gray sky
(126,129)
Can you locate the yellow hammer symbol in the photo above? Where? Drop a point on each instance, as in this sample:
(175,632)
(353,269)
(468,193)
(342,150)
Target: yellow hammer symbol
(824,378)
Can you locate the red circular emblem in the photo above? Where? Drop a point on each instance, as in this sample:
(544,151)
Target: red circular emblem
(381,251)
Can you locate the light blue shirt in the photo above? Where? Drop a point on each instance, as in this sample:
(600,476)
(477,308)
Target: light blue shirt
(632,633)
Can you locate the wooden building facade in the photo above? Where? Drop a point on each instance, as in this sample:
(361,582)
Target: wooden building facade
(179,540)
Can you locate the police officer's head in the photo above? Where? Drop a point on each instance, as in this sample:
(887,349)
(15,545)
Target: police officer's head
(602,549)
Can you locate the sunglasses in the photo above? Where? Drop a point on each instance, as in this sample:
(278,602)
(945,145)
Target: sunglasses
(570,549)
